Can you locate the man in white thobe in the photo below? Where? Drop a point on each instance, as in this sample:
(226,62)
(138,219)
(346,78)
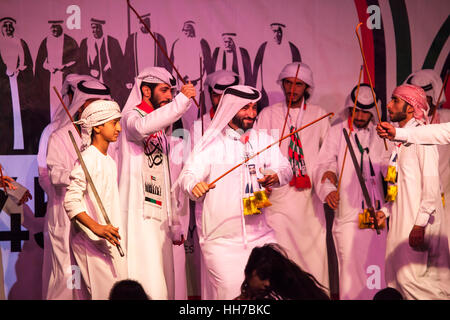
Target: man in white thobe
(431,83)
(297,214)
(359,248)
(61,156)
(227,229)
(417,253)
(147,165)
(215,84)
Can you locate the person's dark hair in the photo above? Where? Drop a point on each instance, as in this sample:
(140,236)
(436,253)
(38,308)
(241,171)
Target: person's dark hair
(127,290)
(152,86)
(388,294)
(287,279)
(306,95)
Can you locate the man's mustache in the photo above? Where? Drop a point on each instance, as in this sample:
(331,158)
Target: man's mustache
(162,102)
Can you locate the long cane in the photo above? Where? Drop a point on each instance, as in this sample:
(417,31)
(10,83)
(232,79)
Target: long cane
(269,146)
(160,48)
(369,77)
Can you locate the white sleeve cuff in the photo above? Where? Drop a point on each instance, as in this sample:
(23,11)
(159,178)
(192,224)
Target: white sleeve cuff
(422,219)
(401,134)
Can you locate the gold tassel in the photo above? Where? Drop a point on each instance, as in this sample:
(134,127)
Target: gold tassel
(391,174)
(364,220)
(443,199)
(391,193)
(250,207)
(262,201)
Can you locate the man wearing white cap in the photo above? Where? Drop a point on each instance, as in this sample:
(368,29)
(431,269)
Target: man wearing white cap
(61,156)
(92,239)
(147,165)
(296,213)
(228,230)
(358,247)
(215,83)
(431,83)
(417,253)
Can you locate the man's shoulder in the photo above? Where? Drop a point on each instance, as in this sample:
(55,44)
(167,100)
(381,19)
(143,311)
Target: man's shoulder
(274,108)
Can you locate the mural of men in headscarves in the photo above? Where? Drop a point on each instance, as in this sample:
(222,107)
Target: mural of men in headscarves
(186,53)
(141,51)
(102,58)
(278,52)
(229,58)
(16,86)
(56,58)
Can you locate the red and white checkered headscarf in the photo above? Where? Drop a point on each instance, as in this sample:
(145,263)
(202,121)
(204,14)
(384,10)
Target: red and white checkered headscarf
(414,96)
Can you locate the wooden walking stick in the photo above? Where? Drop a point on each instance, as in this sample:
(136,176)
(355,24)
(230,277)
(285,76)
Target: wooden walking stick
(369,77)
(271,145)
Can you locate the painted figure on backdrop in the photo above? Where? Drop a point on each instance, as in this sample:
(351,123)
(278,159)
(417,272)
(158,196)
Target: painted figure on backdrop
(102,58)
(56,58)
(141,51)
(186,53)
(265,70)
(233,58)
(16,89)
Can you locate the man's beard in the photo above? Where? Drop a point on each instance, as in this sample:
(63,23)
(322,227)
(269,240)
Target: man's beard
(239,122)
(157,104)
(399,116)
(294,102)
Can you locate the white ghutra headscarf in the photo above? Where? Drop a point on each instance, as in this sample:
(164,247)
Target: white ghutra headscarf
(97,113)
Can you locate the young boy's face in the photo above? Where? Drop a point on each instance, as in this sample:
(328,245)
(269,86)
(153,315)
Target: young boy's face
(110,130)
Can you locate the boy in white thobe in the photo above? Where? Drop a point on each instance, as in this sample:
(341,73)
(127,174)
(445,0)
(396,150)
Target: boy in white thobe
(93,241)
(60,158)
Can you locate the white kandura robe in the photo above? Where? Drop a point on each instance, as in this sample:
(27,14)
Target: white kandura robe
(227,237)
(148,240)
(56,270)
(297,216)
(418,274)
(100,262)
(444,165)
(429,134)
(195,134)
(357,249)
